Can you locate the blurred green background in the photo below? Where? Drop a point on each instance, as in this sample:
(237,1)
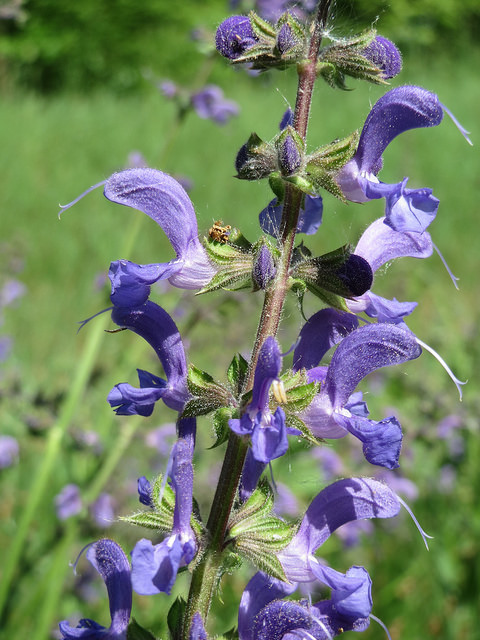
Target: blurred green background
(78,95)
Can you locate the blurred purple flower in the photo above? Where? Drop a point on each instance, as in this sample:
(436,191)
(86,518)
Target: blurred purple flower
(136,160)
(286,503)
(331,463)
(447,478)
(168,88)
(6,344)
(9,451)
(448,425)
(68,502)
(401,486)
(161,438)
(11,291)
(103,511)
(209,103)
(351,532)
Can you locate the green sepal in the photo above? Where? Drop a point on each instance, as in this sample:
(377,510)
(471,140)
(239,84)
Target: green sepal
(295,422)
(237,238)
(298,33)
(220,425)
(175,617)
(231,634)
(209,395)
(324,164)
(330,299)
(298,391)
(258,535)
(320,275)
(137,632)
(150,520)
(260,159)
(277,185)
(347,58)
(237,373)
(262,29)
(262,558)
(163,496)
(224,252)
(238,276)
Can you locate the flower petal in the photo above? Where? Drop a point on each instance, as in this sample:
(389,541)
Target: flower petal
(363,351)
(321,331)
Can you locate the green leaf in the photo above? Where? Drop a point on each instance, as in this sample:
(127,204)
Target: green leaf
(237,372)
(220,425)
(150,520)
(175,617)
(137,632)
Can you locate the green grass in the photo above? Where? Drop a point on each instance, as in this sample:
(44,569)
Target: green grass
(54,149)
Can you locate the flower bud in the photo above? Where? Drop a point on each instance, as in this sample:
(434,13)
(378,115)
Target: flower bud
(235,36)
(289,159)
(263,268)
(285,39)
(384,55)
(255,159)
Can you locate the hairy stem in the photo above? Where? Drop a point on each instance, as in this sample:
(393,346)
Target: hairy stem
(207,573)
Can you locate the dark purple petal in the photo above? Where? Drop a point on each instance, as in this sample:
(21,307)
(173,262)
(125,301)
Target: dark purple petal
(131,282)
(309,220)
(269,437)
(154,325)
(182,480)
(362,352)
(268,368)
(131,401)
(379,244)
(164,200)
(321,331)
(400,109)
(382,441)
(341,502)
(235,36)
(356,274)
(144,489)
(261,590)
(252,470)
(287,119)
(384,55)
(112,564)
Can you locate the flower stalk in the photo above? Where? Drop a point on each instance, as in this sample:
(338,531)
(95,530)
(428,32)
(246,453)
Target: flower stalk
(206,574)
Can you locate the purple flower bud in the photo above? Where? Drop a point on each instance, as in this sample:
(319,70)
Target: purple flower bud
(384,55)
(285,39)
(235,36)
(289,158)
(263,269)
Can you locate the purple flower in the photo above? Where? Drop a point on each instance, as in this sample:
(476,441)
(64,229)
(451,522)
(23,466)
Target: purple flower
(110,561)
(155,567)
(154,325)
(263,616)
(168,88)
(9,451)
(68,502)
(235,36)
(210,104)
(333,412)
(103,510)
(163,199)
(268,431)
(144,489)
(384,55)
(401,109)
(272,9)
(378,245)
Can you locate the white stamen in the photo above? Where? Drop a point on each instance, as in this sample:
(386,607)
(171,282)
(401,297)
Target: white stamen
(417,524)
(449,271)
(456,381)
(279,392)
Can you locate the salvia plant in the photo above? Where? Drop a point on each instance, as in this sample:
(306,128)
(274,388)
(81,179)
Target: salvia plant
(282,391)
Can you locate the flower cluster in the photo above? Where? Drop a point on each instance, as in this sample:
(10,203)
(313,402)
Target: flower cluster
(273,395)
